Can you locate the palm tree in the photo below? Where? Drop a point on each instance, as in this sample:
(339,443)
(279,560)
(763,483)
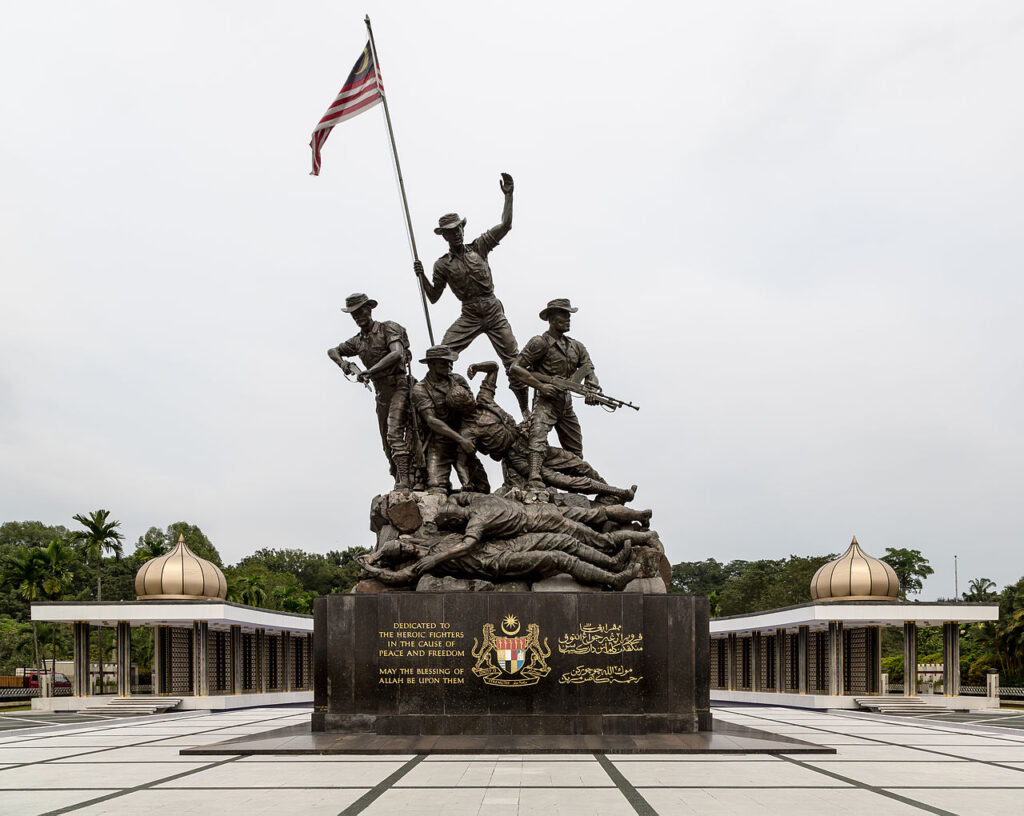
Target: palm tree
(57,575)
(250,590)
(291,599)
(24,570)
(150,548)
(980,589)
(99,535)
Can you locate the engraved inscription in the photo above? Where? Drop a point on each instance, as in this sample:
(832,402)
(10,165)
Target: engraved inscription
(599,674)
(406,649)
(600,638)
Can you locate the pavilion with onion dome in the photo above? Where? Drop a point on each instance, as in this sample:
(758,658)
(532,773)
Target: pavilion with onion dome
(827,653)
(208,652)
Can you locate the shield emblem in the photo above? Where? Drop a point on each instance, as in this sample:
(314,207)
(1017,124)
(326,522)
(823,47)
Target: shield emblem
(511,653)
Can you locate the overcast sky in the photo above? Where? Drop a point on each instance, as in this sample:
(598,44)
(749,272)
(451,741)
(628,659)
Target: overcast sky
(793,230)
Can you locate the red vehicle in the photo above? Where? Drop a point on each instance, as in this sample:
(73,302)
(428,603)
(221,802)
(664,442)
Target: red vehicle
(31,679)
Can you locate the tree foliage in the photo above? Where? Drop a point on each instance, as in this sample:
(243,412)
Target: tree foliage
(99,536)
(741,587)
(910,567)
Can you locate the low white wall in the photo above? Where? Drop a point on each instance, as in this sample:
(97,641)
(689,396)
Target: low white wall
(825,701)
(218,702)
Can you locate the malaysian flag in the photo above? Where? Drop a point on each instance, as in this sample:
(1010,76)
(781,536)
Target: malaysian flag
(362,90)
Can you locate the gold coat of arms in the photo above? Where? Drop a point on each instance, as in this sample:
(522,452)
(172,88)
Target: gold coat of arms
(511,659)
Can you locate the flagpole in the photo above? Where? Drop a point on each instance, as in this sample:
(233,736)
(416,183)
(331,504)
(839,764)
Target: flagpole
(398,171)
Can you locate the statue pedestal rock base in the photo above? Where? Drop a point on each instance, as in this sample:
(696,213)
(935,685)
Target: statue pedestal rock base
(510,663)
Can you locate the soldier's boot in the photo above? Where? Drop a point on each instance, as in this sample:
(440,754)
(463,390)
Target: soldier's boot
(589,574)
(622,559)
(535,482)
(624,515)
(403,480)
(522,392)
(591,555)
(637,537)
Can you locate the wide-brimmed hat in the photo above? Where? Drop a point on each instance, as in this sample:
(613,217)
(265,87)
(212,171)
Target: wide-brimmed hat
(439,353)
(558,303)
(353,302)
(449,221)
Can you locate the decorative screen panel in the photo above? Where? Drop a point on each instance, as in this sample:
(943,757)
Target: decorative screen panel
(273,662)
(219,662)
(181,660)
(856,660)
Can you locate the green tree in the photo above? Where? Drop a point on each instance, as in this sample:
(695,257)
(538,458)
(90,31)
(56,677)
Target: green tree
(768,584)
(348,568)
(1002,641)
(13,536)
(100,535)
(57,565)
(704,577)
(249,589)
(910,567)
(291,599)
(981,590)
(151,545)
(16,643)
(195,539)
(24,571)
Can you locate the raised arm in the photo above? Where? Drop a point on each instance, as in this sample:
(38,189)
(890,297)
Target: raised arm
(507,187)
(490,383)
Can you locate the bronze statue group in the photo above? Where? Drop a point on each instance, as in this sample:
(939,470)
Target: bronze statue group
(432,426)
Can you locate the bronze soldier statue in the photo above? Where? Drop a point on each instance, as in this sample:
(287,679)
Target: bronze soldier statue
(444,443)
(495,432)
(553,353)
(485,517)
(530,554)
(466,270)
(383,348)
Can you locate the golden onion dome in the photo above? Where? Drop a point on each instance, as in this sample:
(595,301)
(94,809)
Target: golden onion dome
(180,575)
(855,576)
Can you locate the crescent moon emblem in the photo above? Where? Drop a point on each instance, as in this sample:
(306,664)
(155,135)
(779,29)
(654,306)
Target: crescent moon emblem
(366,62)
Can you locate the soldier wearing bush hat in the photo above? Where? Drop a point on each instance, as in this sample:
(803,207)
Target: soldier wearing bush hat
(383,348)
(465,268)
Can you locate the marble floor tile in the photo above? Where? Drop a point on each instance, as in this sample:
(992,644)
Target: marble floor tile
(297,774)
(36,753)
(927,774)
(732,774)
(35,802)
(881,753)
(108,775)
(239,801)
(772,802)
(968,802)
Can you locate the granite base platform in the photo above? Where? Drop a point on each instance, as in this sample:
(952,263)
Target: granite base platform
(513,664)
(724,738)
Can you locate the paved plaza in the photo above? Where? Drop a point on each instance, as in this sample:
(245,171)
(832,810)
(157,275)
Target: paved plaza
(882,765)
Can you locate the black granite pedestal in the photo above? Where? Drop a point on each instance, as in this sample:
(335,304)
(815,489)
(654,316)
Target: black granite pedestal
(490,663)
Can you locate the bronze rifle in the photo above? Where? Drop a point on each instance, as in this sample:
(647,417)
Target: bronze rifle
(575,385)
